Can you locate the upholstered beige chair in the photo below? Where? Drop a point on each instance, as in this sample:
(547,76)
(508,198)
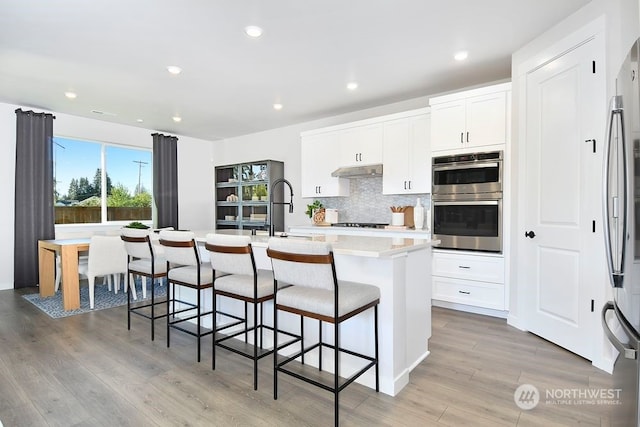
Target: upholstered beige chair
(317,293)
(143,261)
(185,269)
(236,277)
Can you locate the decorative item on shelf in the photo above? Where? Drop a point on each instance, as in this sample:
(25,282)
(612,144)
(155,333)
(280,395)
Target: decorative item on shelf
(418,215)
(232,198)
(246,193)
(261,192)
(247,173)
(257,217)
(262,175)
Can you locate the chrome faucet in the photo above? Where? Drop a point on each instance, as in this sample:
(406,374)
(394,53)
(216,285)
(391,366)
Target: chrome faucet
(290,203)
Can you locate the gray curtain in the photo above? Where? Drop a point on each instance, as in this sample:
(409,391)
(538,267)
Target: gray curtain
(165,179)
(34,214)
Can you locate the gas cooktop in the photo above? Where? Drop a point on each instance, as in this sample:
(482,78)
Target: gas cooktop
(359,224)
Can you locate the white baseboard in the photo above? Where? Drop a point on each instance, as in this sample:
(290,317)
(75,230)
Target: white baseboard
(470,308)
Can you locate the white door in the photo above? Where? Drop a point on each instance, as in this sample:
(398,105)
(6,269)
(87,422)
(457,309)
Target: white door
(562,181)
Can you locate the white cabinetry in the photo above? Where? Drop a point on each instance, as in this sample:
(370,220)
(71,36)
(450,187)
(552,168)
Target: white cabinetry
(361,145)
(470,279)
(407,166)
(399,141)
(318,160)
(471,119)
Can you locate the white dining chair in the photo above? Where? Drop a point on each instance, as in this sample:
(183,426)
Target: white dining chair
(107,256)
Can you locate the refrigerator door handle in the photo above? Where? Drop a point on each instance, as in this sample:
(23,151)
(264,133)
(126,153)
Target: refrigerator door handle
(611,203)
(628,352)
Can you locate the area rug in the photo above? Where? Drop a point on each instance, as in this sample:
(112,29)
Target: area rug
(103,299)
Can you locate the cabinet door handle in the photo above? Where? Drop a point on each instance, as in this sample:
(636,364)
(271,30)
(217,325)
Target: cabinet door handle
(356,157)
(319,189)
(467,136)
(466,267)
(405,185)
(409,184)
(465,292)
(461,137)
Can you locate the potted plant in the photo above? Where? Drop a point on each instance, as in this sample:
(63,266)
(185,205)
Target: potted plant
(138,225)
(313,207)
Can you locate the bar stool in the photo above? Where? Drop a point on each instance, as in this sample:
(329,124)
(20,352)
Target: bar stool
(185,269)
(143,261)
(244,282)
(317,293)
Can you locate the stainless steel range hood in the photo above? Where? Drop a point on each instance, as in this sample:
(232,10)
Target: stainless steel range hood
(358,171)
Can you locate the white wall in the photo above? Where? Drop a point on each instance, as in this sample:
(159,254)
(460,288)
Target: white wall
(7,194)
(195,175)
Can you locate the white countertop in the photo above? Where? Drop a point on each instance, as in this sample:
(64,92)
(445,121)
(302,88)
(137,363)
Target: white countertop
(366,246)
(355,231)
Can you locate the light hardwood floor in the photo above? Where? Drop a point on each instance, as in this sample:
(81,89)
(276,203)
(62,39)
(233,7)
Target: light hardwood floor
(89,370)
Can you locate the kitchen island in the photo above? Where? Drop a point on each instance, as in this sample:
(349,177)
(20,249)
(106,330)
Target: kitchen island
(400,267)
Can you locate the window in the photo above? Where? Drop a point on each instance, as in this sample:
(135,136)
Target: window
(98,183)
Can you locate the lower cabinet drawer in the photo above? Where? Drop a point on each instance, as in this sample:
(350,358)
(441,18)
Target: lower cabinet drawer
(479,294)
(469,267)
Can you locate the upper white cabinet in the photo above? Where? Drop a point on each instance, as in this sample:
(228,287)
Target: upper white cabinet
(407,166)
(470,119)
(318,160)
(361,145)
(400,142)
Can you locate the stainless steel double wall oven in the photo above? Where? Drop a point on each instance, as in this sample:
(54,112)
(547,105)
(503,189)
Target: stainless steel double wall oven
(467,201)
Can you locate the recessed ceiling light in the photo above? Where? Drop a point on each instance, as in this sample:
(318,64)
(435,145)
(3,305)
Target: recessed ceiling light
(174,69)
(139,120)
(352,85)
(71,95)
(461,56)
(253,31)
(177,119)
(277,106)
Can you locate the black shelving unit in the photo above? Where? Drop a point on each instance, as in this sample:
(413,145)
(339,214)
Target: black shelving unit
(242,195)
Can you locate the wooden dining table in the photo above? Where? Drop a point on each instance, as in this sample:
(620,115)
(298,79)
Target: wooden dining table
(69,250)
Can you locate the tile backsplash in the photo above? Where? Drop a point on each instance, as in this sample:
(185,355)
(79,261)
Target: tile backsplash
(366,203)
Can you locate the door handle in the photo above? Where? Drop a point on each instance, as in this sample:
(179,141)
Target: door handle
(627,352)
(530,234)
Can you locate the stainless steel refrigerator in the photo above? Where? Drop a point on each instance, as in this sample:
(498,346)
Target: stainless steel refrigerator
(622,240)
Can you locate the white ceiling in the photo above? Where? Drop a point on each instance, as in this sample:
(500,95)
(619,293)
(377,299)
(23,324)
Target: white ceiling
(114,53)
